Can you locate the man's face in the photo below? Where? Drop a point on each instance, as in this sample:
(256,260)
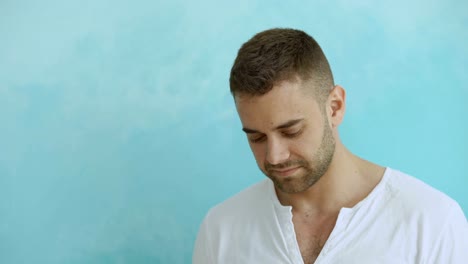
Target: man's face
(289,135)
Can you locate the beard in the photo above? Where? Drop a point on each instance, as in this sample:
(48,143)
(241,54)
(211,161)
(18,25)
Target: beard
(310,171)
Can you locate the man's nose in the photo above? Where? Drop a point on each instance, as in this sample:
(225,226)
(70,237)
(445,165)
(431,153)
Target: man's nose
(277,152)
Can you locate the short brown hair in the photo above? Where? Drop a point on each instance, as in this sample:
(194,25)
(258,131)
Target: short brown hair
(276,55)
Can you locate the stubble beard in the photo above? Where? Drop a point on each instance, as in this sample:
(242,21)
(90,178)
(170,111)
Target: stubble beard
(312,170)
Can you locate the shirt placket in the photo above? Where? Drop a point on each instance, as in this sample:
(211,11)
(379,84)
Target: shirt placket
(335,238)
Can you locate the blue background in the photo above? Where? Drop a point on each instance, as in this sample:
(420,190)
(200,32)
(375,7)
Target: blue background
(118,131)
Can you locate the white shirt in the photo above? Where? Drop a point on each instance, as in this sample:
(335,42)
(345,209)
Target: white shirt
(402,220)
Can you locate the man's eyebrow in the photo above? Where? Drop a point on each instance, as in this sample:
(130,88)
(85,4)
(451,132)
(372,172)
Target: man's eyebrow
(249,131)
(289,123)
(285,125)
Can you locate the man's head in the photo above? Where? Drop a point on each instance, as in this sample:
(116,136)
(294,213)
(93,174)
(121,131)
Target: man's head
(288,106)
(277,55)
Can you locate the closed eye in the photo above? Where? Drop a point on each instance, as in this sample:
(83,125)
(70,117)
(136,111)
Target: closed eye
(292,135)
(257,139)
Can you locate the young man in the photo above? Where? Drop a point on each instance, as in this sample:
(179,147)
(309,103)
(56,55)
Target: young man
(321,203)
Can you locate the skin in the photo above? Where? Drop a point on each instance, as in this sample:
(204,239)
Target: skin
(296,143)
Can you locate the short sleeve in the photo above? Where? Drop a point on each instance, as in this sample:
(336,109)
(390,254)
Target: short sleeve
(452,246)
(202,253)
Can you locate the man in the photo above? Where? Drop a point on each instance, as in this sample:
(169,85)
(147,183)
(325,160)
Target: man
(321,203)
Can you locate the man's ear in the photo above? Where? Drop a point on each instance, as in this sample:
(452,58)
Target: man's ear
(337,105)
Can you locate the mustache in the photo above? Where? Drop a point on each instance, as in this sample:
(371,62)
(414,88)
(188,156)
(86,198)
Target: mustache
(286,164)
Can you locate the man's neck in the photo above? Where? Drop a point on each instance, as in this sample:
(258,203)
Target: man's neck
(348,180)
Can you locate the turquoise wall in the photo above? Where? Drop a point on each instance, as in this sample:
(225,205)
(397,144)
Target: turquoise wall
(118,132)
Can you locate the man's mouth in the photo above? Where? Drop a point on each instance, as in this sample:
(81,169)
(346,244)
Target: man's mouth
(285,172)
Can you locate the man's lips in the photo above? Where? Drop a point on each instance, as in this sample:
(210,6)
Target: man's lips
(285,172)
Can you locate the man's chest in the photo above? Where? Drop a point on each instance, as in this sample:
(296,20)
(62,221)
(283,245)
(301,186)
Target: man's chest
(312,234)
(299,244)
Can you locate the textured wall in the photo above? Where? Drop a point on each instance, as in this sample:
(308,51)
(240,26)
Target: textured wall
(118,131)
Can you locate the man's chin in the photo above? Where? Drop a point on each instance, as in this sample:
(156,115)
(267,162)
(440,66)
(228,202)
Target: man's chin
(290,184)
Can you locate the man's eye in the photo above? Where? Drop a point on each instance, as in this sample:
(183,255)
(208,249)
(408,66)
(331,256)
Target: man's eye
(257,139)
(292,134)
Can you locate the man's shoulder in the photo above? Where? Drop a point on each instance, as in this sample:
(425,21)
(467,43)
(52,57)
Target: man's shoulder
(246,202)
(413,195)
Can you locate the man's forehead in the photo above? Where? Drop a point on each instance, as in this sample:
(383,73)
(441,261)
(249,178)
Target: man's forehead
(274,102)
